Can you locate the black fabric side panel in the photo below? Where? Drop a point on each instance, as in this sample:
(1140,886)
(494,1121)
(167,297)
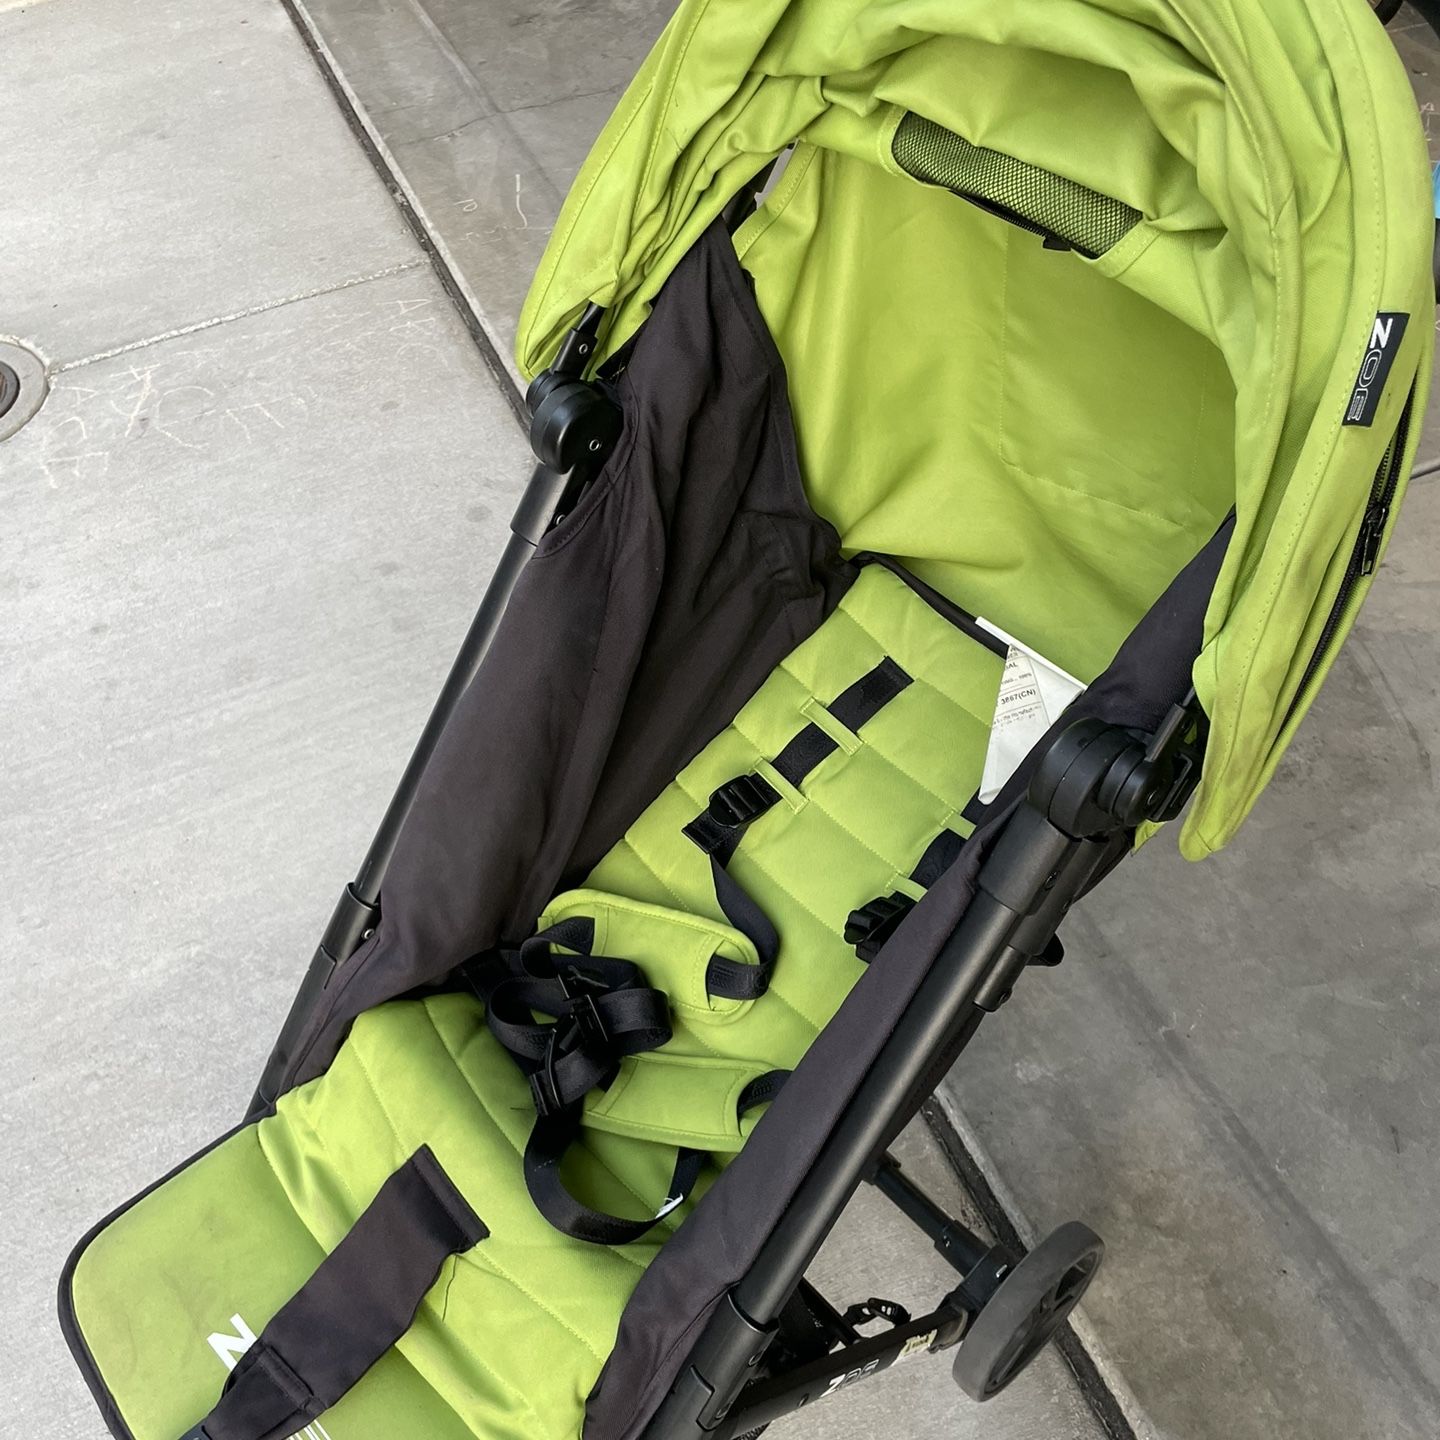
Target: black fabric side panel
(749,570)
(361,1299)
(713,1248)
(643,623)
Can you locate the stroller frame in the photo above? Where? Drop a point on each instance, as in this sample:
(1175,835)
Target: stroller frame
(1092,785)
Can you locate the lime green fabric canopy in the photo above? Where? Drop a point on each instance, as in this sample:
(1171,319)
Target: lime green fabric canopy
(1046,437)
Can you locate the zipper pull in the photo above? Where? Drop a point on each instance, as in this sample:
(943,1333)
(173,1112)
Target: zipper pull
(1372,532)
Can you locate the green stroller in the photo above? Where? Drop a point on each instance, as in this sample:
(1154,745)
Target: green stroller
(966,431)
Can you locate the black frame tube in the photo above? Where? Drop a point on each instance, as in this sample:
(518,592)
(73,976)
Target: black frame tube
(1030,862)
(773,1397)
(941,1010)
(961,1248)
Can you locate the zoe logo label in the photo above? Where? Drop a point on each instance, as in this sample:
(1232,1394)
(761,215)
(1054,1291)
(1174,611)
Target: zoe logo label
(1385,337)
(849,1378)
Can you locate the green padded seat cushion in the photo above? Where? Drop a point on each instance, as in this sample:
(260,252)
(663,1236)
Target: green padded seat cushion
(511,1338)
(857,825)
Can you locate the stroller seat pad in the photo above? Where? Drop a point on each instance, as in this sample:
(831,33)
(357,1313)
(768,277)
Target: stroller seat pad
(868,743)
(858,823)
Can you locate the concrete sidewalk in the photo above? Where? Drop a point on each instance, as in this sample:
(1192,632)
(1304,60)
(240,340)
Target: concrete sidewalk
(238,547)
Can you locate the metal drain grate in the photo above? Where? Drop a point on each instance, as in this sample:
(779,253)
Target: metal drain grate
(9,389)
(23,385)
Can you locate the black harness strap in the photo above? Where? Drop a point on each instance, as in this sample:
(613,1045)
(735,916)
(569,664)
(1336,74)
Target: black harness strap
(601,1011)
(718,830)
(361,1299)
(553,1136)
(869,695)
(737,804)
(729,979)
(852,707)
(761,1090)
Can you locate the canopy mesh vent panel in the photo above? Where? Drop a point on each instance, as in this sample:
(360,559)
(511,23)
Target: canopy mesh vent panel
(1037,200)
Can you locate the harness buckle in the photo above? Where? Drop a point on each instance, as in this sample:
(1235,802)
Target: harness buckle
(739,801)
(590,1027)
(543,1091)
(582,1027)
(869,927)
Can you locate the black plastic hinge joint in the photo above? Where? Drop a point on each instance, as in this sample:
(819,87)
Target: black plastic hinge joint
(573,422)
(352,922)
(1176,754)
(732,1345)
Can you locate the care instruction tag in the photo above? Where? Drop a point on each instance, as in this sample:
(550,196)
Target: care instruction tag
(1033,693)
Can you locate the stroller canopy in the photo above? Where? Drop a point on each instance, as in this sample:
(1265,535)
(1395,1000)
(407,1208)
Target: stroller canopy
(1220,213)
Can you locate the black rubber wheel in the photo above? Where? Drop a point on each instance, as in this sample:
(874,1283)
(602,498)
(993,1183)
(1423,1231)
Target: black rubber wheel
(1034,1300)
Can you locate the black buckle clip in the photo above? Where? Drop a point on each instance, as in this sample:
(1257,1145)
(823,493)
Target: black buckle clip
(739,801)
(590,1027)
(869,927)
(544,1081)
(543,1092)
(582,1016)
(581,1028)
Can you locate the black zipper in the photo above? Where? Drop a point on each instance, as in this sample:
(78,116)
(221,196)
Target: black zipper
(1366,552)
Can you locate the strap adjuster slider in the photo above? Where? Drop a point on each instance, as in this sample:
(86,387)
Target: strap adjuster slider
(739,801)
(869,927)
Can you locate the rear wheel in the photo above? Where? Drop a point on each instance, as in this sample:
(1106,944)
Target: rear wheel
(1030,1304)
